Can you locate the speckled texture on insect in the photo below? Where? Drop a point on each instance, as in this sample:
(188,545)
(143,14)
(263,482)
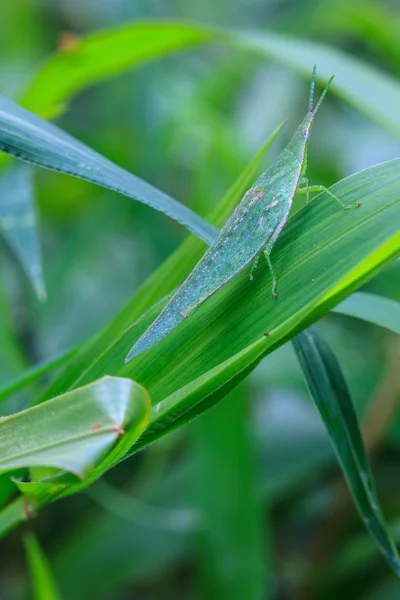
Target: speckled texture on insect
(253,227)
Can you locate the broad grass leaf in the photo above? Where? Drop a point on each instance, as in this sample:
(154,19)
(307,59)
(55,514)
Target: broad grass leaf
(323,255)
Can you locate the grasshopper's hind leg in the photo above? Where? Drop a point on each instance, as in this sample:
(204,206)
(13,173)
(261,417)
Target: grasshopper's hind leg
(321,188)
(271,268)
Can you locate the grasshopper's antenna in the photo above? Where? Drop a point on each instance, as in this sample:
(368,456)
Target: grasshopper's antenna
(326,88)
(312,89)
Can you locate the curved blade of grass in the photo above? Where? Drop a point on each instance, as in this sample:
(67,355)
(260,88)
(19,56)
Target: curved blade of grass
(332,399)
(101,55)
(323,254)
(372,308)
(34,373)
(184,377)
(73,432)
(43,584)
(18,222)
(34,140)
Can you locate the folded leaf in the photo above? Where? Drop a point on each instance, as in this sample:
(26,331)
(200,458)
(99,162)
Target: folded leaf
(74,432)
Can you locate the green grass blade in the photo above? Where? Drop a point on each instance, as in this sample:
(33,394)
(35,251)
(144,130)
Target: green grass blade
(34,373)
(372,308)
(34,140)
(43,584)
(18,222)
(331,396)
(233,529)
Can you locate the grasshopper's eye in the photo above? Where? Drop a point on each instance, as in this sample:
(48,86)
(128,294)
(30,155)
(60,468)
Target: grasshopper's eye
(305,134)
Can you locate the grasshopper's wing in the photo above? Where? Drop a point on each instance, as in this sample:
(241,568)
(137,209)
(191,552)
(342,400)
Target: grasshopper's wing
(243,235)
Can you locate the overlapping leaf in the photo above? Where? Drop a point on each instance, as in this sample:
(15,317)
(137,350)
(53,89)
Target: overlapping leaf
(18,222)
(372,308)
(34,140)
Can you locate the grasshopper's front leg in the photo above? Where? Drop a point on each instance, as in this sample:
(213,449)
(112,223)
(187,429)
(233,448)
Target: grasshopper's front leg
(302,187)
(321,188)
(254,266)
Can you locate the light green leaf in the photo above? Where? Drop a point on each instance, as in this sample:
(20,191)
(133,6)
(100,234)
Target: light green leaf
(18,222)
(84,432)
(372,308)
(101,55)
(34,140)
(43,584)
(332,399)
(73,432)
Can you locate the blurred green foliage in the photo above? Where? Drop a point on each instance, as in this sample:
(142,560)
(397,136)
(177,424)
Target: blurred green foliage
(189,123)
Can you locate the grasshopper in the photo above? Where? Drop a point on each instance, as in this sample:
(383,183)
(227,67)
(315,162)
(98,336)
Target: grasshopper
(252,228)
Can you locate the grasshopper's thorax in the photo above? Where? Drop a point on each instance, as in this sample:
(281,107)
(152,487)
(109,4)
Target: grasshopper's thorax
(298,144)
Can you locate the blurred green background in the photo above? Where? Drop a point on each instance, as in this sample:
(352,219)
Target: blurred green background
(246,502)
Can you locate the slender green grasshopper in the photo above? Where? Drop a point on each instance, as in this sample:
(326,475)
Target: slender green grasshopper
(252,228)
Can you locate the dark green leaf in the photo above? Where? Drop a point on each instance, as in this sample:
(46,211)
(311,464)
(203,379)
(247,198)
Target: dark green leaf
(34,140)
(18,222)
(332,399)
